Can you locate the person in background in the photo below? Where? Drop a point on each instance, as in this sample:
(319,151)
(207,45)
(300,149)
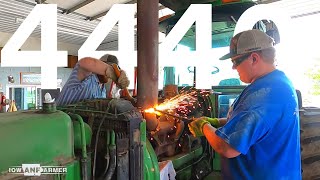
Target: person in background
(260,138)
(92,78)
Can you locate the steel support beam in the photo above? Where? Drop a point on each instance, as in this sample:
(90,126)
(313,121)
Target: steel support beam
(305,14)
(40,1)
(147,44)
(78,6)
(131,2)
(266,1)
(97,16)
(105,12)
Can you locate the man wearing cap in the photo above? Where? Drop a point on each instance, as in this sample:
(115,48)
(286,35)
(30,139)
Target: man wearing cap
(260,137)
(92,78)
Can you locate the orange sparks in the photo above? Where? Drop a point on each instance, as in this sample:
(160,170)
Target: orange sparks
(152,110)
(181,104)
(173,103)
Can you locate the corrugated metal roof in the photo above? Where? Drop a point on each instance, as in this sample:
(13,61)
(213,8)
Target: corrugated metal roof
(73,28)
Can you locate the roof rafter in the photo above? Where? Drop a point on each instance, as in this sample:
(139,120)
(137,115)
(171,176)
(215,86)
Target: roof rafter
(78,6)
(105,12)
(40,1)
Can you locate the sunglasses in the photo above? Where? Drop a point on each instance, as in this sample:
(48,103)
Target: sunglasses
(236,62)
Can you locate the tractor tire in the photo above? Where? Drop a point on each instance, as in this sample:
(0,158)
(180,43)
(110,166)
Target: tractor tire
(310,143)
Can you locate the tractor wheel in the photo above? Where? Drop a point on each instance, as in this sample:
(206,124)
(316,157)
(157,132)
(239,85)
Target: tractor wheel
(310,142)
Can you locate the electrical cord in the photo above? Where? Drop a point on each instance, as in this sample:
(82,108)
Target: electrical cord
(97,138)
(96,145)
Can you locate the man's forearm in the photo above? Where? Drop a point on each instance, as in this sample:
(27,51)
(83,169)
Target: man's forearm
(93,65)
(218,144)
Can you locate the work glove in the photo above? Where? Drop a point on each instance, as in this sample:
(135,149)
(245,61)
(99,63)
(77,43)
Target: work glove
(196,126)
(110,73)
(123,80)
(213,121)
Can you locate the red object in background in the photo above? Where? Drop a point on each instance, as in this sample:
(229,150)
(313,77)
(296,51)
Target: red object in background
(2,100)
(135,82)
(2,103)
(229,1)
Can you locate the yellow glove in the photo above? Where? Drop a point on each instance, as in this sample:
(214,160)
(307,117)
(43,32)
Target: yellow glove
(213,121)
(123,80)
(110,73)
(196,126)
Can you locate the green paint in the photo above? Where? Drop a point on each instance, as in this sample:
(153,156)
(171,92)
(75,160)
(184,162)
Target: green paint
(73,171)
(77,134)
(181,160)
(83,136)
(34,137)
(151,166)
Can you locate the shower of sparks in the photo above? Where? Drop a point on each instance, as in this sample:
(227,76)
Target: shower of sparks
(178,102)
(181,104)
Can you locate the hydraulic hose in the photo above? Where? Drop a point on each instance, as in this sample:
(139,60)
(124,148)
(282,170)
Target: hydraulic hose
(113,157)
(107,156)
(96,147)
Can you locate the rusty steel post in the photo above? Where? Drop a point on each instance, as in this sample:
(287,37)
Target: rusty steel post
(147,45)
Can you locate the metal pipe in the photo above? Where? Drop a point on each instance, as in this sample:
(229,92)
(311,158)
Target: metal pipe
(147,44)
(83,137)
(175,116)
(84,158)
(84,169)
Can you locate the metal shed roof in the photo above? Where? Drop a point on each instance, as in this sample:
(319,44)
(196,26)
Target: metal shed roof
(78,18)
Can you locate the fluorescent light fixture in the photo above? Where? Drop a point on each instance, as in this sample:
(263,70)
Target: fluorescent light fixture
(19,20)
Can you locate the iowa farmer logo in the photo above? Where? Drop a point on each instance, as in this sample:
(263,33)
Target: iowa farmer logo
(37,170)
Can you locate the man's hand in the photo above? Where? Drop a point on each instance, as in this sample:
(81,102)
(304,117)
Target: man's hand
(110,73)
(123,80)
(196,126)
(213,121)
